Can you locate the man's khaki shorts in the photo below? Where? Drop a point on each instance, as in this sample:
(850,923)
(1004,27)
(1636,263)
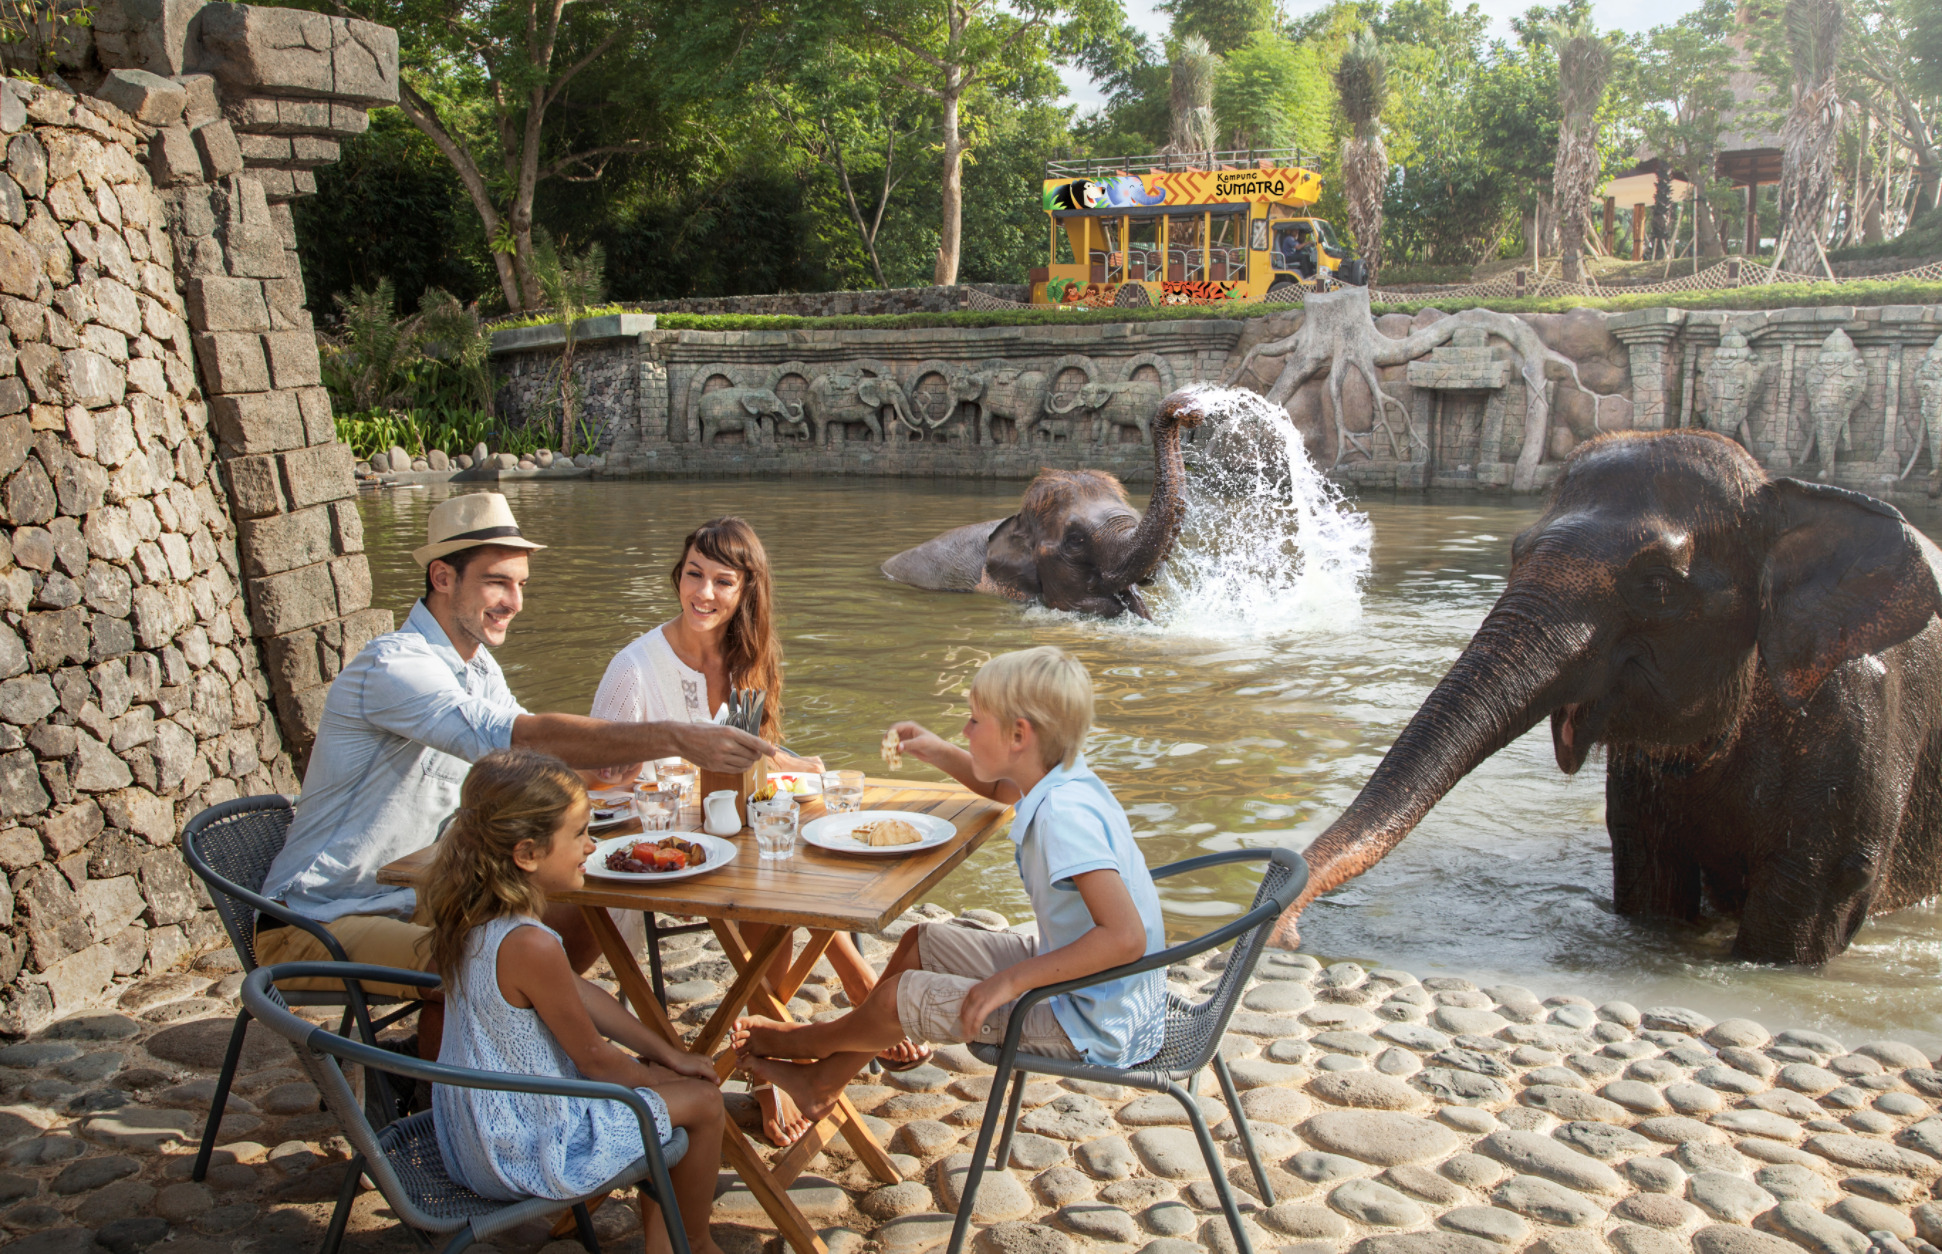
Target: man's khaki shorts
(955,959)
(379,939)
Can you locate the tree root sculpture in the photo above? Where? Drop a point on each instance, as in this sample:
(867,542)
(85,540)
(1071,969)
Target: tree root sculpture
(1338,332)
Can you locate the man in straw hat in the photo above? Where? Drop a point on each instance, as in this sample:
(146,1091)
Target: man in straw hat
(402,725)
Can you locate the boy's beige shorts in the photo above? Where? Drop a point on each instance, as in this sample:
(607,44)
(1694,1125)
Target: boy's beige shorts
(956,958)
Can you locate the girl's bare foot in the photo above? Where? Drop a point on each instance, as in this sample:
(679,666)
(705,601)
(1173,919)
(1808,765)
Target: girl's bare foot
(782,1124)
(815,1086)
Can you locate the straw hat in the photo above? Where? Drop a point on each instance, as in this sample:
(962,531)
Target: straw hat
(465,522)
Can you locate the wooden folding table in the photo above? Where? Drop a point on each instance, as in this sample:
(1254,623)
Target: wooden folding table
(817,890)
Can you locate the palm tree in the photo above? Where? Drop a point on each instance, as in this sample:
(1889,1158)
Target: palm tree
(1585,60)
(1362,84)
(1191,101)
(1807,137)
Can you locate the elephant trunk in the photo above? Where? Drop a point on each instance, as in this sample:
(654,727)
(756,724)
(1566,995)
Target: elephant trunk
(1526,661)
(1071,403)
(1149,543)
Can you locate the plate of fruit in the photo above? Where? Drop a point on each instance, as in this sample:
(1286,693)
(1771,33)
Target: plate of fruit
(798,783)
(645,859)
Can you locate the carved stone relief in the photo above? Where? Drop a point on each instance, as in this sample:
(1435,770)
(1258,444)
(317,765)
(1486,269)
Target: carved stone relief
(1735,380)
(1928,381)
(1836,380)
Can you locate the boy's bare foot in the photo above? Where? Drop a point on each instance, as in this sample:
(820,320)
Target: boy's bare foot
(762,1038)
(782,1123)
(815,1086)
(904,1056)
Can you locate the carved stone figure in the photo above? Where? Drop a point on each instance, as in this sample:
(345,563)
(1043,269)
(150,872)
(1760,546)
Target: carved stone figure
(1128,404)
(755,411)
(1928,381)
(1835,381)
(851,397)
(1734,381)
(1015,394)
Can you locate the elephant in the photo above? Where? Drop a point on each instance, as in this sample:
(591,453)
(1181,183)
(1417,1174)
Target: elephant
(1128,404)
(1761,659)
(1019,395)
(847,397)
(1075,543)
(750,410)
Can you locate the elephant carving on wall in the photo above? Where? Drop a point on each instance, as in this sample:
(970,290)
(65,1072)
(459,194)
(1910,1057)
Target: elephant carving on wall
(1129,404)
(1835,383)
(848,396)
(1019,395)
(1735,381)
(755,411)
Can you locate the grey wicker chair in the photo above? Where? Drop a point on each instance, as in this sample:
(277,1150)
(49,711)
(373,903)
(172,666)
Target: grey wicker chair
(403,1159)
(1193,1036)
(230,847)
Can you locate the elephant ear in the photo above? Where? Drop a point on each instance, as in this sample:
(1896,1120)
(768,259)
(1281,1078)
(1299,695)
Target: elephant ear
(752,402)
(869,393)
(1845,576)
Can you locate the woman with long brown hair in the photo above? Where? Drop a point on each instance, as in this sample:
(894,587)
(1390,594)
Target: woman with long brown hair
(724,637)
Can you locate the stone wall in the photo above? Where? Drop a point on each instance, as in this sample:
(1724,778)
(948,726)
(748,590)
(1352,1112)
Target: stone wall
(1870,377)
(896,300)
(180,559)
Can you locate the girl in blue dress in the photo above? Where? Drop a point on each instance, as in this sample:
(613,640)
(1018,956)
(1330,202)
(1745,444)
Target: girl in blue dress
(513,1003)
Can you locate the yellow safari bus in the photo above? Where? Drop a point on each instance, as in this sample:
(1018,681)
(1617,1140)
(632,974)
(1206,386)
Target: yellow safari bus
(1221,226)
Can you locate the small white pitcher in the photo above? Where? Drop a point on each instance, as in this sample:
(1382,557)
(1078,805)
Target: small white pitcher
(718,813)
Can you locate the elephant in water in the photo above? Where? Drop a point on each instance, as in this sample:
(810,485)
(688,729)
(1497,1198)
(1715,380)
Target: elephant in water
(1075,543)
(1760,658)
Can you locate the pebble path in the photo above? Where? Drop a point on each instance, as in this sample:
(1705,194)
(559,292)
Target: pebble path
(1399,1116)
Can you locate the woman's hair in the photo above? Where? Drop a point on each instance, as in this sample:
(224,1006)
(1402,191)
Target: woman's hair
(750,649)
(509,796)
(1048,688)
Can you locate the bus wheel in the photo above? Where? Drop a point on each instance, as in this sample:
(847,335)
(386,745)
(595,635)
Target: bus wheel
(1284,292)
(1132,296)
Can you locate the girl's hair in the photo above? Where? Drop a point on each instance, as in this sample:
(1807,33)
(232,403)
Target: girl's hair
(509,796)
(1048,688)
(750,649)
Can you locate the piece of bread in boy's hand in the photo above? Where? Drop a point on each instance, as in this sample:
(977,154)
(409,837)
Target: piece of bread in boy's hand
(887,832)
(893,750)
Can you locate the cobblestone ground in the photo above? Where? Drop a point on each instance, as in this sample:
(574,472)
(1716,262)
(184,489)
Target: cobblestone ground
(1400,1116)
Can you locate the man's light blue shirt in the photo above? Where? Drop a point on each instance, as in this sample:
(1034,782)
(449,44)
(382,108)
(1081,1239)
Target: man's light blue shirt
(1068,824)
(401,726)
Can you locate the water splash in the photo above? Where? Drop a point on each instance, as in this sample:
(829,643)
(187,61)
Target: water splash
(1269,546)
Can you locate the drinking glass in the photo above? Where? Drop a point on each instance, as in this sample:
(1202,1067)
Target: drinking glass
(678,775)
(656,807)
(843,791)
(775,828)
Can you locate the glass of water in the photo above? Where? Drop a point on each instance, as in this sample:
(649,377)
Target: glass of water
(678,775)
(656,807)
(774,822)
(843,791)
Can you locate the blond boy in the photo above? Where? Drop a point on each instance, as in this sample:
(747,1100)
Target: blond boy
(1089,886)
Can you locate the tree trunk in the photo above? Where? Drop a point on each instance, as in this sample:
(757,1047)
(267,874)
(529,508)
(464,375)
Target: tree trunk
(1807,153)
(425,117)
(1571,179)
(1709,242)
(1365,171)
(951,233)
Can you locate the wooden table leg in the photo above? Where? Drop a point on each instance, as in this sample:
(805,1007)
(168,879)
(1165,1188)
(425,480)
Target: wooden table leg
(845,1118)
(741,1154)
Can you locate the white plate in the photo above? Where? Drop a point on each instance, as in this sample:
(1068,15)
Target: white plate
(832,832)
(808,783)
(720,854)
(609,814)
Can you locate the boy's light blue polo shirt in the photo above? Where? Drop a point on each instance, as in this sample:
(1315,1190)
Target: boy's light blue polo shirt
(1068,824)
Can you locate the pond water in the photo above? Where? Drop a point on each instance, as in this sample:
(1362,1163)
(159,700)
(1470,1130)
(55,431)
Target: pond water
(1253,729)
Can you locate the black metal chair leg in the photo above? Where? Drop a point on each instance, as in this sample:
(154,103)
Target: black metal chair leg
(654,958)
(1247,1134)
(223,1080)
(334,1236)
(583,1224)
(1212,1156)
(968,1195)
(1012,1106)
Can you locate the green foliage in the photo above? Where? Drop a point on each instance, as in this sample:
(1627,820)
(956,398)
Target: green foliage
(1226,25)
(36,32)
(1362,81)
(1273,93)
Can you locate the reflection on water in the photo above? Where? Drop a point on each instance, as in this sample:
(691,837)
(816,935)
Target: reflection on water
(1210,743)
